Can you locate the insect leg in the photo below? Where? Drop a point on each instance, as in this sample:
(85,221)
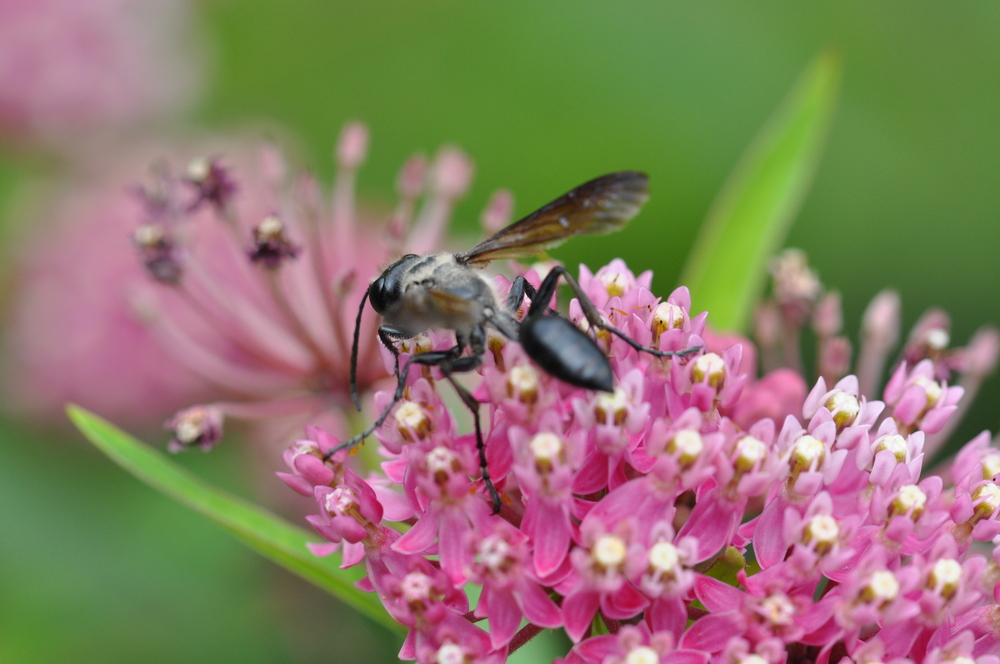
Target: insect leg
(469,364)
(434,358)
(518,289)
(387,335)
(547,290)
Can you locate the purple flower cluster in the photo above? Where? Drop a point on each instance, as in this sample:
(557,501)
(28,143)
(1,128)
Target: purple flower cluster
(696,514)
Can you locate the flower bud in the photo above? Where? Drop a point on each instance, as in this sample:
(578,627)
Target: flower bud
(198,426)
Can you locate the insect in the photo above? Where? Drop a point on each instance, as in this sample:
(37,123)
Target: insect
(447,291)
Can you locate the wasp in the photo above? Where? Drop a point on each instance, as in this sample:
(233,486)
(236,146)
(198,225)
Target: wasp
(450,291)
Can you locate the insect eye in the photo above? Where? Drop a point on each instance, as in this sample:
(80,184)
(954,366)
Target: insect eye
(377,295)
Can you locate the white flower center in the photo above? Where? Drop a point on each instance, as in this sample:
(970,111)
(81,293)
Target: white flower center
(416,587)
(450,653)
(807,453)
(546,447)
(882,588)
(495,552)
(664,558)
(944,577)
(642,655)
(844,407)
(822,531)
(991,466)
(749,453)
(753,659)
(615,283)
(666,317)
(932,389)
(522,384)
(341,500)
(611,408)
(910,500)
(411,417)
(709,368)
(441,460)
(609,551)
(687,445)
(778,610)
(988,497)
(895,444)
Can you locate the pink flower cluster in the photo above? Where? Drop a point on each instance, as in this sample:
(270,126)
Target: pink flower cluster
(693,515)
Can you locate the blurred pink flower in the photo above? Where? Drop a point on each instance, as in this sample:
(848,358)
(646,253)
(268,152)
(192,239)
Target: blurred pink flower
(269,332)
(73,65)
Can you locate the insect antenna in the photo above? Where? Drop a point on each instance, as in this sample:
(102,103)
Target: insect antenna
(354,351)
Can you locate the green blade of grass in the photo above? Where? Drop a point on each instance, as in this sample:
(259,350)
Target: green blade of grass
(272,537)
(751,216)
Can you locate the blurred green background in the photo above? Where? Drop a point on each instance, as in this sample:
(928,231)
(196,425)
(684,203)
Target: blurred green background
(96,567)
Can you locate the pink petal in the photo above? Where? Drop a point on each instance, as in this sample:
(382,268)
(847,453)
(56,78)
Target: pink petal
(578,610)
(537,606)
(420,537)
(711,633)
(716,595)
(552,535)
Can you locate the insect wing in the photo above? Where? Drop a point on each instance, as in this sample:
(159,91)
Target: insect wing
(600,206)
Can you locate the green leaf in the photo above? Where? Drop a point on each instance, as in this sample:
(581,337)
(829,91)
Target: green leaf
(751,216)
(265,533)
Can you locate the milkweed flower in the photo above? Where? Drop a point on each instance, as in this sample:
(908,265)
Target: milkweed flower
(684,517)
(231,283)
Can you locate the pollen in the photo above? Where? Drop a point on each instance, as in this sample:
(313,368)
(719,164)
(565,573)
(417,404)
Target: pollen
(821,532)
(412,421)
(687,446)
(522,384)
(945,576)
(909,500)
(844,407)
(642,655)
(611,408)
(609,552)
(895,444)
(709,368)
(881,589)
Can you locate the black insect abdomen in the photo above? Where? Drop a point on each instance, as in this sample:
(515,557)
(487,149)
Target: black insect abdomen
(566,352)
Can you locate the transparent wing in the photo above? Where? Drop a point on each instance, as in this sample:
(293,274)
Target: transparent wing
(600,206)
